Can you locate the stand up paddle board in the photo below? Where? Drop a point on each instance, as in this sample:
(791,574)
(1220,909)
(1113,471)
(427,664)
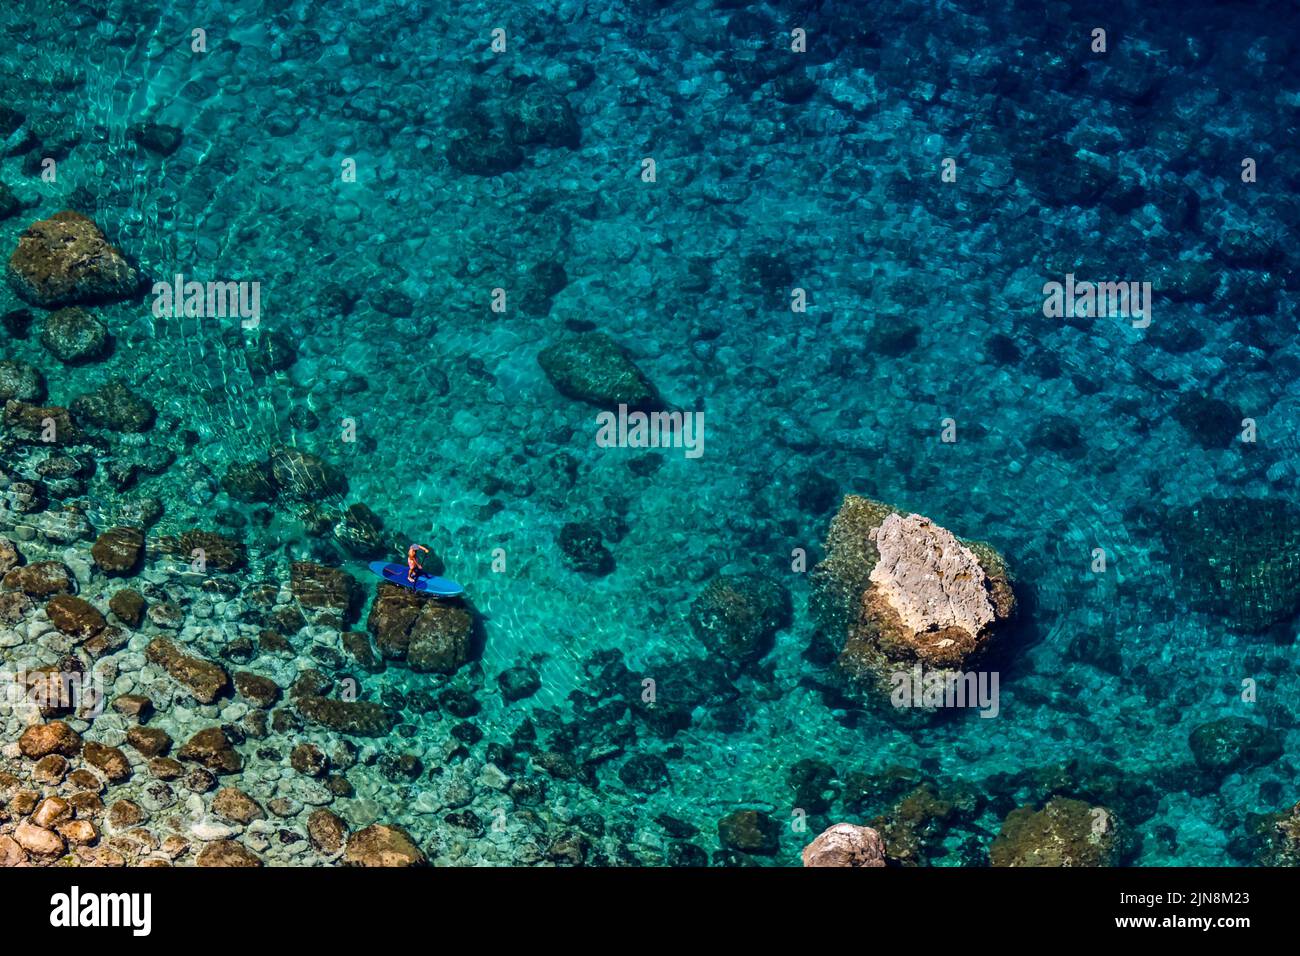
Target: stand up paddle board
(425,583)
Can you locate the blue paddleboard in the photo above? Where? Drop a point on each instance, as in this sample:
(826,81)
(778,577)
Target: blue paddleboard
(426,584)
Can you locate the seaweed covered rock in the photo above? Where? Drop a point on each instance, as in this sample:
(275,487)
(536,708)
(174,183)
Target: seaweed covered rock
(1278,838)
(114,407)
(1238,558)
(358,718)
(594,368)
(40,579)
(66,259)
(205,680)
(482,151)
(74,336)
(119,551)
(737,616)
(750,831)
(207,549)
(1065,832)
(543,118)
(897,592)
(303,476)
(213,750)
(845,844)
(324,590)
(382,845)
(249,481)
(1229,744)
(21,382)
(75,616)
(47,424)
(584,549)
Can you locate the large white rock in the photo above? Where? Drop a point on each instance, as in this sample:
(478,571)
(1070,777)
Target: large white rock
(845,844)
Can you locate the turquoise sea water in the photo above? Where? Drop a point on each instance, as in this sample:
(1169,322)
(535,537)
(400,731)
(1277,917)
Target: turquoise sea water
(228,155)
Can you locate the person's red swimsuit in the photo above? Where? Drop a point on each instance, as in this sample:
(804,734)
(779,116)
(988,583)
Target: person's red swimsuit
(413,565)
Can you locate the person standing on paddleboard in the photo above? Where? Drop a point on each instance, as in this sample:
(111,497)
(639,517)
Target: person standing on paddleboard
(413,565)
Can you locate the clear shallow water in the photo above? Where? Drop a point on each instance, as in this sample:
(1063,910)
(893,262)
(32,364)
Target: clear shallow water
(924,303)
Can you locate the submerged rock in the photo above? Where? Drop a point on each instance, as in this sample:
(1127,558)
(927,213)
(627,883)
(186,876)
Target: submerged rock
(119,551)
(46,424)
(75,616)
(319,588)
(74,336)
(303,476)
(212,750)
(382,845)
(584,549)
(750,831)
(249,481)
(361,532)
(897,591)
(845,844)
(21,382)
(1065,832)
(205,680)
(359,718)
(40,579)
(593,368)
(483,152)
(1238,558)
(737,616)
(1224,746)
(115,407)
(65,260)
(541,117)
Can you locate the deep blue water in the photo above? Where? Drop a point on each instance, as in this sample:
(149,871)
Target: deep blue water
(1169,158)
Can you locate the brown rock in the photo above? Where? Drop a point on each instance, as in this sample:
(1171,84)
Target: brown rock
(125,814)
(40,579)
(326,830)
(78,832)
(38,841)
(108,760)
(227,853)
(211,748)
(67,259)
(74,616)
(129,607)
(382,845)
(361,718)
(317,587)
(149,741)
(50,770)
(84,779)
(234,805)
(308,759)
(133,705)
(43,424)
(14,606)
(50,811)
(257,689)
(165,768)
(357,644)
(119,550)
(220,553)
(1065,832)
(204,679)
(56,737)
(11,854)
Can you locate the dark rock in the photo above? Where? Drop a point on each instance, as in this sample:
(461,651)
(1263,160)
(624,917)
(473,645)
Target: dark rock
(593,368)
(205,680)
(583,548)
(517,683)
(644,773)
(750,831)
(541,117)
(119,551)
(115,407)
(213,750)
(737,616)
(21,382)
(74,336)
(1224,746)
